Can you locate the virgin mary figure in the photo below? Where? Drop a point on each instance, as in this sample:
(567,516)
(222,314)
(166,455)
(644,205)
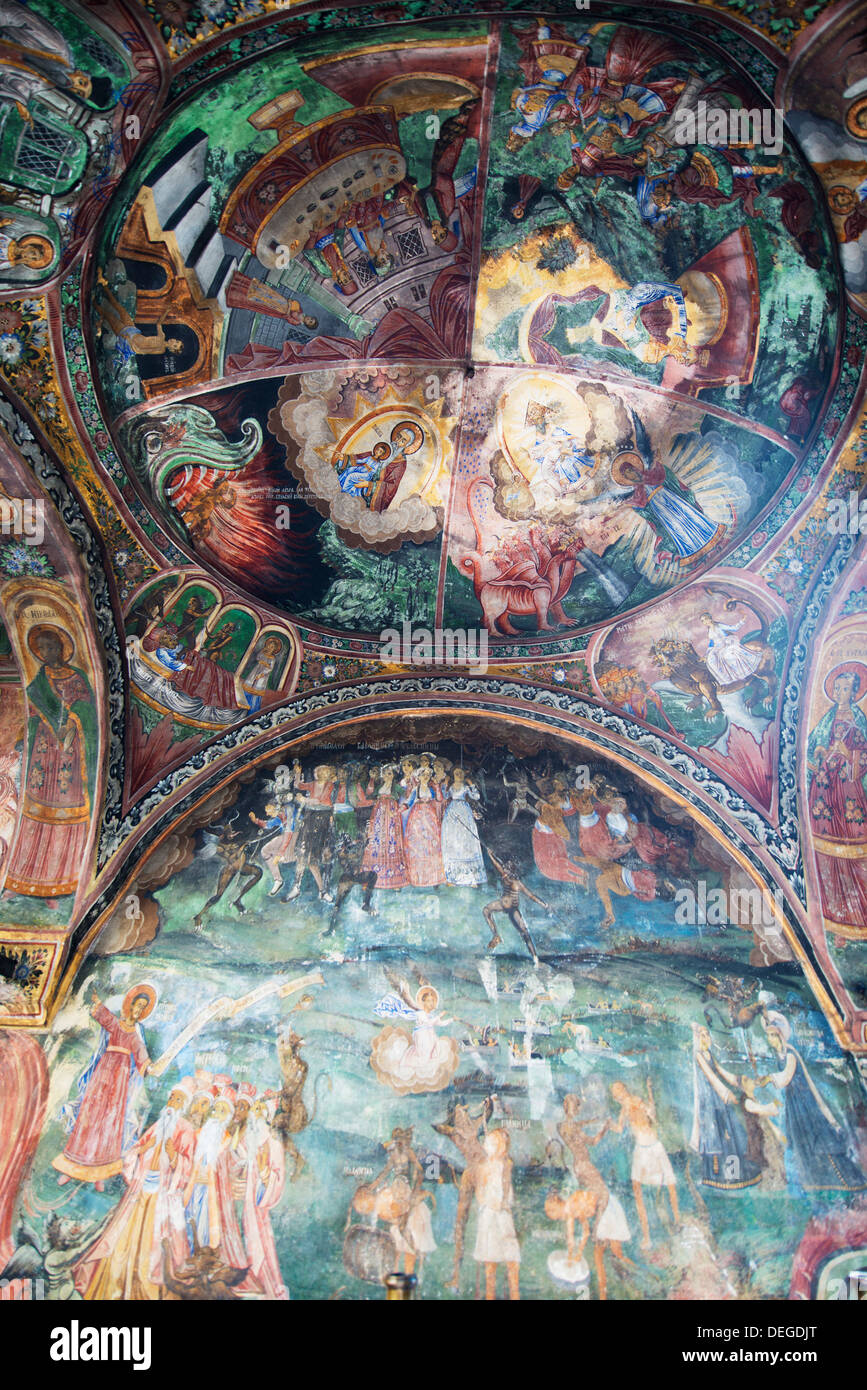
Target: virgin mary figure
(376,476)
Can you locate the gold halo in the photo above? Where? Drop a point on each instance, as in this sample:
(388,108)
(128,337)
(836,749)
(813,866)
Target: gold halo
(417,433)
(856,119)
(847,668)
(31,239)
(627,459)
(841,198)
(131,994)
(40,629)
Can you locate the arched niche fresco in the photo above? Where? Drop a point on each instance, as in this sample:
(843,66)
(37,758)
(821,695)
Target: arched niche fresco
(26,967)
(52,737)
(284,288)
(62,747)
(13,714)
(534,983)
(404,968)
(834,772)
(199,661)
(705,667)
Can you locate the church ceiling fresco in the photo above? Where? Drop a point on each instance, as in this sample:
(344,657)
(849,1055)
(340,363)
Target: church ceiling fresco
(432,604)
(412,253)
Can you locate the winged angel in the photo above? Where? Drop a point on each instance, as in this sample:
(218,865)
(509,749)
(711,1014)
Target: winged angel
(673,506)
(412,1062)
(683,504)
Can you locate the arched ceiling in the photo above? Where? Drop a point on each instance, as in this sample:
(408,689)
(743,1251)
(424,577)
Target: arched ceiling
(418,347)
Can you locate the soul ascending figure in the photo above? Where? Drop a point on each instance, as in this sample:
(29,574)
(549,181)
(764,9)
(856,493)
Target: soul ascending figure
(728,660)
(416,1062)
(557,454)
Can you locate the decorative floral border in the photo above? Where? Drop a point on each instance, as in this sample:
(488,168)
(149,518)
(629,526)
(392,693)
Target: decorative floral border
(238,24)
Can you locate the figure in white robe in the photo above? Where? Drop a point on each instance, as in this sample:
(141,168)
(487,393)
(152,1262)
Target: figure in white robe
(200,1196)
(727,659)
(462,851)
(557,455)
(496,1237)
(420,1061)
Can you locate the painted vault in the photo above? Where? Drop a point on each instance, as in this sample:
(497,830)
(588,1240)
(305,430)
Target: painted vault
(432,603)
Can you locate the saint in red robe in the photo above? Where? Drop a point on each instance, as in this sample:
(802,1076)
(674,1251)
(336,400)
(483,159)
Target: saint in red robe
(104,1111)
(48,853)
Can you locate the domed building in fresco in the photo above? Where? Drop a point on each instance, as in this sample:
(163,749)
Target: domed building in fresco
(433,654)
